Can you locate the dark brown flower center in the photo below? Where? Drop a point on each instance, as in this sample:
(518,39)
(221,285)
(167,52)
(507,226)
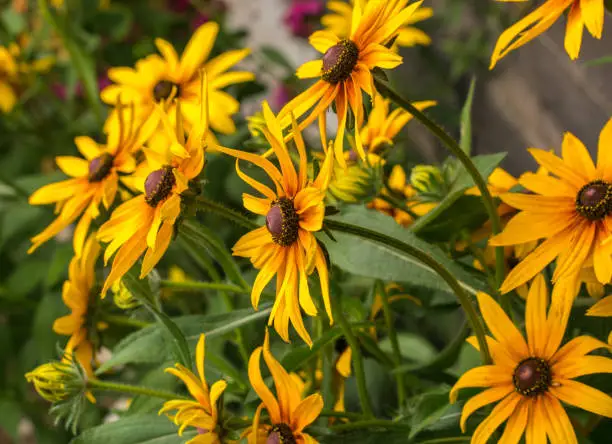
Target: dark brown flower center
(163,90)
(100,167)
(158,185)
(281,434)
(339,61)
(282,222)
(532,377)
(594,200)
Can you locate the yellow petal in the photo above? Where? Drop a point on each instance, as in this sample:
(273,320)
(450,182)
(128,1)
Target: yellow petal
(260,387)
(516,424)
(483,376)
(602,308)
(559,427)
(306,412)
(535,316)
(500,413)
(197,50)
(486,397)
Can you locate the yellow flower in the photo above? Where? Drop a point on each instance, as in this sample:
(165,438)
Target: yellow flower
(52,380)
(344,69)
(202,412)
(146,222)
(162,79)
(123,297)
(529,378)
(339,22)
(589,13)
(397,183)
(570,208)
(94,179)
(76,294)
(384,125)
(356,181)
(289,413)
(286,246)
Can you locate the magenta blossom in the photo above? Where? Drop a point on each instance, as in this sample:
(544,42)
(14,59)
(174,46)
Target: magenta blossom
(303,15)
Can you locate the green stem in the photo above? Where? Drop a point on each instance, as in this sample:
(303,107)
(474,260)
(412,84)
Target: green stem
(371,423)
(96,384)
(199,286)
(456,150)
(123,320)
(397,354)
(362,389)
(426,259)
(227,213)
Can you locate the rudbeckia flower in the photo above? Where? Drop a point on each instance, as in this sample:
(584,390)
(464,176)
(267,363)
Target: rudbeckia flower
(289,414)
(570,208)
(531,378)
(76,294)
(581,14)
(344,69)
(202,412)
(94,179)
(339,20)
(286,245)
(161,80)
(146,222)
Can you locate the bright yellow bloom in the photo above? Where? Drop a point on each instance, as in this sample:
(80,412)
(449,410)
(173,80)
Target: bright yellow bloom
(51,380)
(94,179)
(286,246)
(570,208)
(162,79)
(384,125)
(529,378)
(76,294)
(289,413)
(146,222)
(203,412)
(398,184)
(589,13)
(339,22)
(344,69)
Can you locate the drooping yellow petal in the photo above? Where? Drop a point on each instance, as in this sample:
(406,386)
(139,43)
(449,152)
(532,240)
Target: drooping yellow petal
(486,397)
(500,413)
(483,376)
(260,387)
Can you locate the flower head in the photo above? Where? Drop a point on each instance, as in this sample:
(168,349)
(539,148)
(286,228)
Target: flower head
(94,179)
(161,80)
(76,294)
(202,412)
(340,19)
(531,377)
(286,245)
(589,13)
(344,69)
(570,208)
(145,223)
(289,414)
(51,380)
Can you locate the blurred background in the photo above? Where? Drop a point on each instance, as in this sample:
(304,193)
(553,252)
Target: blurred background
(530,99)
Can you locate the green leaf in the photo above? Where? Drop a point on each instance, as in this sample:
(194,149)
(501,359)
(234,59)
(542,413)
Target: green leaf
(429,411)
(597,62)
(412,346)
(453,440)
(276,57)
(150,344)
(466,120)
(137,429)
(141,289)
(371,259)
(204,238)
(485,165)
(371,436)
(10,415)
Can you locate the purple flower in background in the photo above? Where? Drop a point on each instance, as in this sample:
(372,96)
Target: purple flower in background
(199,20)
(179,5)
(280,96)
(59,89)
(303,15)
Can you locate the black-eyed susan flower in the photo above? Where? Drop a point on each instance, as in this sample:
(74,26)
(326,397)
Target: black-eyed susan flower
(145,223)
(286,245)
(570,208)
(201,412)
(53,381)
(288,413)
(77,293)
(94,179)
(344,69)
(161,80)
(340,18)
(531,378)
(581,14)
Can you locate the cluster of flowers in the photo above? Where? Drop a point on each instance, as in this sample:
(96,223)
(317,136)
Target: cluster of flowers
(158,136)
